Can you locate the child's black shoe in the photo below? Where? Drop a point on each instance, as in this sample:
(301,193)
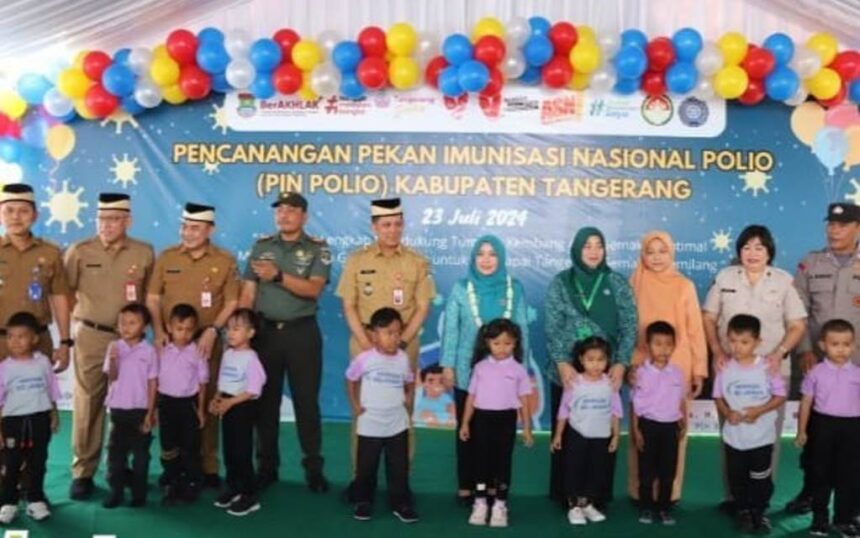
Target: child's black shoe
(406,514)
(362,512)
(113,500)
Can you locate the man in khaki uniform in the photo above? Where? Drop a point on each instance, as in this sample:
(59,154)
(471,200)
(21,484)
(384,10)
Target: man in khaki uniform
(198,273)
(32,278)
(105,273)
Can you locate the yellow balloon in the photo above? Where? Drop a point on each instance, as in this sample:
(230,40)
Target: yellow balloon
(306,93)
(585,56)
(806,119)
(60,141)
(734,47)
(585,33)
(12,104)
(173,94)
(78,63)
(731,82)
(853,157)
(824,84)
(73,83)
(403,72)
(82,110)
(160,51)
(401,39)
(825,45)
(488,26)
(164,71)
(580,81)
(306,54)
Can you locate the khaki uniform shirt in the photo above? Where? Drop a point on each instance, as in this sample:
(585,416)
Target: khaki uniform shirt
(29,277)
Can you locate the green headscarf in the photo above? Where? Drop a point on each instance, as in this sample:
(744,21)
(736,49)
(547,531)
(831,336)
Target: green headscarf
(588,287)
(491,290)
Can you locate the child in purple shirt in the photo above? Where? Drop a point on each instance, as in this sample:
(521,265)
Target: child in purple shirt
(182,377)
(132,369)
(587,429)
(498,396)
(28,404)
(831,392)
(659,420)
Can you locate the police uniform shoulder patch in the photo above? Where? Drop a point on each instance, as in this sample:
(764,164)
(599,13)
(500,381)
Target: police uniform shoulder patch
(325,255)
(264,238)
(317,240)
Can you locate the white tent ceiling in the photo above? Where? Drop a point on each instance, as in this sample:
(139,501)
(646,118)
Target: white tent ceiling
(33,32)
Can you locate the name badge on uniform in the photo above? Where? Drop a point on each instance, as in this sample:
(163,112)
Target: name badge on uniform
(206,299)
(398,296)
(130,292)
(34,290)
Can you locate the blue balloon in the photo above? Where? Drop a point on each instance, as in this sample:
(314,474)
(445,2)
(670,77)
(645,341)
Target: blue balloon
(29,160)
(346,56)
(10,150)
(687,43)
(630,62)
(449,82)
(830,146)
(212,57)
(119,80)
(262,87)
(265,55)
(32,88)
(350,87)
(34,130)
(627,86)
(131,106)
(220,84)
(634,38)
(782,83)
(538,50)
(540,26)
(68,117)
(682,77)
(781,46)
(457,49)
(854,91)
(121,56)
(531,76)
(473,76)
(210,35)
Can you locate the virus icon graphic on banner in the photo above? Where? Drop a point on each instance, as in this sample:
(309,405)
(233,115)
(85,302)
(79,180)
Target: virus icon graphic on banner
(124,170)
(721,240)
(755,182)
(219,119)
(65,206)
(854,196)
(120,118)
(211,168)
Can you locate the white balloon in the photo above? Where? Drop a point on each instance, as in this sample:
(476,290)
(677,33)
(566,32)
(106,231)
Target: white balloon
(238,44)
(805,62)
(53,71)
(604,79)
(327,40)
(139,60)
(514,64)
(147,93)
(704,89)
(798,98)
(709,60)
(427,49)
(609,43)
(56,104)
(325,79)
(240,73)
(517,31)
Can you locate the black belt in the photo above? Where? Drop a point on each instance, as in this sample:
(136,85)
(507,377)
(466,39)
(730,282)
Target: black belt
(281,324)
(42,329)
(98,327)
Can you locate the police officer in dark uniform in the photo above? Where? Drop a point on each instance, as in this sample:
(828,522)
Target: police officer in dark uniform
(284,279)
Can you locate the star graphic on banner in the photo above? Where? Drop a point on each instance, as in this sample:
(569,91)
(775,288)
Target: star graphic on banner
(755,182)
(120,118)
(219,118)
(721,240)
(65,206)
(854,196)
(211,168)
(124,170)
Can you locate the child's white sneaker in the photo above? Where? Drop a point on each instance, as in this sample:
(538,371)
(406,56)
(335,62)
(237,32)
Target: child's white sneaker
(8,513)
(575,516)
(593,514)
(479,513)
(499,515)
(38,510)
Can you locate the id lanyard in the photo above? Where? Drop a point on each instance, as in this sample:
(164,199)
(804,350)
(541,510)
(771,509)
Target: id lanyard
(587,302)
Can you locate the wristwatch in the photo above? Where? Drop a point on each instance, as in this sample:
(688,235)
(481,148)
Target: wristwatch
(279,277)
(67,342)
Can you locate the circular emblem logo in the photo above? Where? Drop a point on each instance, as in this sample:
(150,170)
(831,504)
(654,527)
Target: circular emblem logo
(693,112)
(657,110)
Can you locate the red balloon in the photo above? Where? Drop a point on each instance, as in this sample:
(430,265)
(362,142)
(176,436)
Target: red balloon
(758,63)
(563,36)
(4,123)
(434,67)
(372,73)
(286,38)
(494,86)
(182,47)
(847,64)
(557,72)
(287,79)
(14,129)
(836,99)
(490,50)
(194,82)
(660,53)
(95,63)
(100,102)
(654,83)
(755,92)
(372,42)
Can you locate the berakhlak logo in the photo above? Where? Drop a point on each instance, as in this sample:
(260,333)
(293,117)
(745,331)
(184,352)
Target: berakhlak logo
(657,110)
(247,105)
(693,112)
